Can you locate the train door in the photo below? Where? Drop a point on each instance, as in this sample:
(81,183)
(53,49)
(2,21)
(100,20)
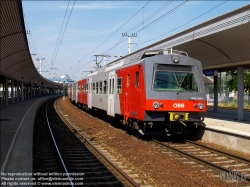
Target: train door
(111,95)
(127,95)
(77,90)
(90,93)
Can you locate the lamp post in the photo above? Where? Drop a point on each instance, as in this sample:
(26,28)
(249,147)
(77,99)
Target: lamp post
(53,70)
(129,40)
(40,59)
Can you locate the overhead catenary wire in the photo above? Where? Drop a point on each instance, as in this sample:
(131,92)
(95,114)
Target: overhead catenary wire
(184,23)
(32,42)
(148,18)
(116,30)
(63,32)
(108,50)
(159,18)
(77,66)
(164,15)
(151,16)
(53,57)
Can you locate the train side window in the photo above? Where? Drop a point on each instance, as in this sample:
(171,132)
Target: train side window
(96,89)
(104,87)
(137,79)
(119,85)
(113,80)
(100,88)
(109,86)
(128,79)
(93,88)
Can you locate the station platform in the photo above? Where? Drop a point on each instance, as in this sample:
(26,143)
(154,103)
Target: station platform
(223,128)
(226,120)
(16,130)
(17,122)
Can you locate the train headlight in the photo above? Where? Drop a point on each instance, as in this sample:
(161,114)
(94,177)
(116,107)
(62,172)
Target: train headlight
(156,104)
(175,59)
(201,106)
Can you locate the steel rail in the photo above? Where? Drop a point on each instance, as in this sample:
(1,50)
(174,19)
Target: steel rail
(58,152)
(199,159)
(131,181)
(241,159)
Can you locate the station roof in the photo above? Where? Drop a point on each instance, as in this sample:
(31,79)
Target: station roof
(16,61)
(221,43)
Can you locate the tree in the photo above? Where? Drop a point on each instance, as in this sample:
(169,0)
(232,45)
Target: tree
(232,81)
(233,84)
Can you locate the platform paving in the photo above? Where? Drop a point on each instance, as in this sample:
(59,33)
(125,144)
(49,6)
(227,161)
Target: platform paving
(16,129)
(226,120)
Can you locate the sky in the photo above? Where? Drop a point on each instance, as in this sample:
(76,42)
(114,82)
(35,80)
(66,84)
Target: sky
(67,34)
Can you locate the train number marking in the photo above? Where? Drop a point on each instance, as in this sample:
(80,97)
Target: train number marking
(100,99)
(178,105)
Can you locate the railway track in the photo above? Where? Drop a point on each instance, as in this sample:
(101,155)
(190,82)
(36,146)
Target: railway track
(113,153)
(230,168)
(73,159)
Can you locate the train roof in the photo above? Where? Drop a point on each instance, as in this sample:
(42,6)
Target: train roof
(136,57)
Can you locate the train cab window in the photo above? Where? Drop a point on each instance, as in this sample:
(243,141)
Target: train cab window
(174,81)
(137,79)
(96,89)
(100,88)
(119,85)
(86,88)
(93,88)
(104,87)
(82,87)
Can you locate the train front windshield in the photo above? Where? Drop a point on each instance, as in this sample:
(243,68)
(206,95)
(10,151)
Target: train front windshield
(174,81)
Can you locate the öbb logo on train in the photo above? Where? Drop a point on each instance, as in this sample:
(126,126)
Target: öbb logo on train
(178,105)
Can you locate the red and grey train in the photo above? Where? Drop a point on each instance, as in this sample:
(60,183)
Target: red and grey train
(155,90)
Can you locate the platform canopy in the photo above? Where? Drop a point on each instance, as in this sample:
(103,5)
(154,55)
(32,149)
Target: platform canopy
(16,61)
(222,43)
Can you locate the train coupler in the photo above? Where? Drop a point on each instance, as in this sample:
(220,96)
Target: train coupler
(180,117)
